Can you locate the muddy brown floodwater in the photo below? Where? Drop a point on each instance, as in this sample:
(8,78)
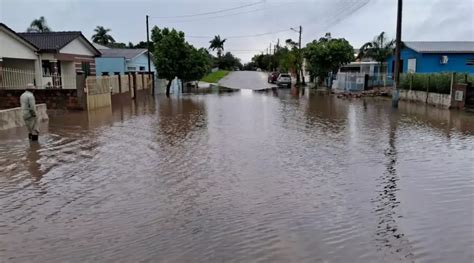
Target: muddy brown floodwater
(287,176)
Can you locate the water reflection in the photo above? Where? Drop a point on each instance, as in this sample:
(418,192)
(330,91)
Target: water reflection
(390,238)
(32,160)
(244,176)
(179,117)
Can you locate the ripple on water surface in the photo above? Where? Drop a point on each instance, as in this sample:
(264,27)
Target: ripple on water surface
(242,177)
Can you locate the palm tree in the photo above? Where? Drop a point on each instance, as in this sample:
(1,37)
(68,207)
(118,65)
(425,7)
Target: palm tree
(379,49)
(102,37)
(38,25)
(218,44)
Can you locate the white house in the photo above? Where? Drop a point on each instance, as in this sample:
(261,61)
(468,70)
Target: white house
(62,56)
(48,59)
(19,60)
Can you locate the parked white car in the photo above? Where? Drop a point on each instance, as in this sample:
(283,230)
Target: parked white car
(284,79)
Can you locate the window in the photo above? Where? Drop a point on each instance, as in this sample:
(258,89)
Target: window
(47,68)
(86,68)
(142,68)
(411,65)
(470,62)
(105,73)
(131,68)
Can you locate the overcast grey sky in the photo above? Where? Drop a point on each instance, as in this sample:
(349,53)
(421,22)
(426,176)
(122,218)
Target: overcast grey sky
(356,20)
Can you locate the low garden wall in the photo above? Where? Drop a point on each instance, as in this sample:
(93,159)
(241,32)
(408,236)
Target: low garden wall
(63,99)
(435,99)
(12,118)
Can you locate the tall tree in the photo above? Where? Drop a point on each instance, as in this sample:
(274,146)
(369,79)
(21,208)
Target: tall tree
(198,64)
(174,57)
(327,55)
(102,36)
(296,58)
(379,49)
(217,43)
(39,25)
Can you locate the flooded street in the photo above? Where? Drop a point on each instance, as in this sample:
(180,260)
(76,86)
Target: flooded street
(245,176)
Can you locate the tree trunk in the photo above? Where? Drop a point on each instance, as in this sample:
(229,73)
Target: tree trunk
(168,87)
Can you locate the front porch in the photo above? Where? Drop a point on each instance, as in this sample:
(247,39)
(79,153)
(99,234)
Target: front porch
(17,73)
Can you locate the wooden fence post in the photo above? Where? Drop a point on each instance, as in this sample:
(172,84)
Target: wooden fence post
(411,81)
(120,83)
(134,83)
(453,75)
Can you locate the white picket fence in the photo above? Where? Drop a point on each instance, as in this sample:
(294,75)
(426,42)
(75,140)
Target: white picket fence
(11,78)
(15,78)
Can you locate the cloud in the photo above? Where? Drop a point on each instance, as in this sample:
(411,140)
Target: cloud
(356,20)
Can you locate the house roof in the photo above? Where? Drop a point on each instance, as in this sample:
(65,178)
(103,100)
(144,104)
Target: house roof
(127,53)
(54,41)
(18,37)
(99,46)
(441,46)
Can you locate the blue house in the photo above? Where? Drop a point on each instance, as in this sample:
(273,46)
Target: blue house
(119,61)
(432,57)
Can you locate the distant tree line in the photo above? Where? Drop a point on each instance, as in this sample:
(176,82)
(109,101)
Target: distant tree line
(323,56)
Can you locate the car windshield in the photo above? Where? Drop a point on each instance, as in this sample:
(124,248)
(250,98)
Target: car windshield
(284,75)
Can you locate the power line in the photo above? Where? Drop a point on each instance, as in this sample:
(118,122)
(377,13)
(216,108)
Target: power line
(245,36)
(214,17)
(212,12)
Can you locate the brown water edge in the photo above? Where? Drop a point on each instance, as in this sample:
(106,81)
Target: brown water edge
(244,176)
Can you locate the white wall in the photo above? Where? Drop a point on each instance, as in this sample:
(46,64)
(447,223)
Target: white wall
(68,74)
(12,118)
(77,46)
(10,47)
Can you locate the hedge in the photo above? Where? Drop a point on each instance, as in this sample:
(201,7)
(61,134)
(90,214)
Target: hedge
(436,82)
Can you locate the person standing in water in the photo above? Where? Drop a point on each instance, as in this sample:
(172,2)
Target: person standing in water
(28,108)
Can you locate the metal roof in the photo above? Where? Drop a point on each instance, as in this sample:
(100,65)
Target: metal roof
(127,53)
(99,46)
(54,41)
(441,46)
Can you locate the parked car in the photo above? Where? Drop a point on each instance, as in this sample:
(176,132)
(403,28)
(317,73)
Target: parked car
(272,77)
(284,79)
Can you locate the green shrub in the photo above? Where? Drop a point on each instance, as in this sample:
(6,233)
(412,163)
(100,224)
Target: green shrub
(437,82)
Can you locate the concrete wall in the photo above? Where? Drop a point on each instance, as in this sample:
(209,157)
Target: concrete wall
(99,101)
(12,118)
(435,99)
(430,62)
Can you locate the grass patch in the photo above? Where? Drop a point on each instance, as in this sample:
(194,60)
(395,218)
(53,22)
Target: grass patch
(214,77)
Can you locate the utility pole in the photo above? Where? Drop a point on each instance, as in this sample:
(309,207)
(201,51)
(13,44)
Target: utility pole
(396,94)
(301,57)
(149,63)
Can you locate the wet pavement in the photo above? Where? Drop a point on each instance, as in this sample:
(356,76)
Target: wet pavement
(251,80)
(279,176)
